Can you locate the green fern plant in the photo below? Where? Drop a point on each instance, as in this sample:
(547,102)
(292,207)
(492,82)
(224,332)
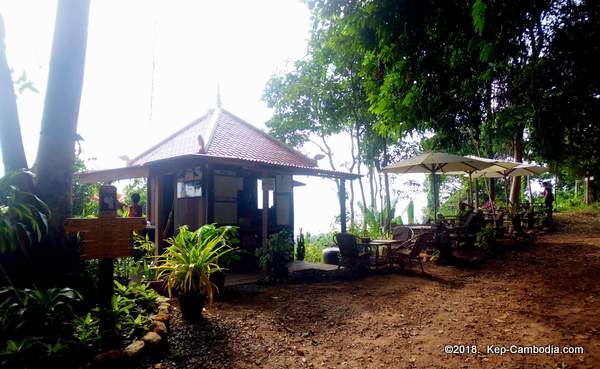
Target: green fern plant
(190,259)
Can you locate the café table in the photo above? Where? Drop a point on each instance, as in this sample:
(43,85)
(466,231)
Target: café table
(376,244)
(421,228)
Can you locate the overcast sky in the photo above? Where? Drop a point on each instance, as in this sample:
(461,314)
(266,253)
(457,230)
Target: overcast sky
(179,50)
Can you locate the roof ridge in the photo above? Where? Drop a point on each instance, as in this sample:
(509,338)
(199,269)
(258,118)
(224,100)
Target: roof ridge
(163,141)
(271,138)
(212,126)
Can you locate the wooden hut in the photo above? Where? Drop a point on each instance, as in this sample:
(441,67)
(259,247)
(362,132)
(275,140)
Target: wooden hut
(211,171)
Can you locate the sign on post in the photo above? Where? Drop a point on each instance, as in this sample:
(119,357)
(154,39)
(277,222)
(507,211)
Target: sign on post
(106,237)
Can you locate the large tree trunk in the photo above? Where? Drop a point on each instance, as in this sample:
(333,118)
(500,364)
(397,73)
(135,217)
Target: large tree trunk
(352,204)
(11,143)
(360,183)
(518,156)
(55,157)
(388,200)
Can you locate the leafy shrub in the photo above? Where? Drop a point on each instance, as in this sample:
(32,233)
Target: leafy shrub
(144,296)
(40,328)
(486,239)
(275,255)
(36,311)
(87,331)
(17,353)
(36,326)
(315,245)
(23,216)
(125,268)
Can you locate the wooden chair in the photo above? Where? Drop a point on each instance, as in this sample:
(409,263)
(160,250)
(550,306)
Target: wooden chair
(410,250)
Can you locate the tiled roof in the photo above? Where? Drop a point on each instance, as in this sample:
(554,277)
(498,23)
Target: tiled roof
(225,135)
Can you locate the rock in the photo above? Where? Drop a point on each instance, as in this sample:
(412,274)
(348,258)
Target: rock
(158,327)
(134,349)
(104,359)
(161,317)
(164,308)
(151,339)
(158,366)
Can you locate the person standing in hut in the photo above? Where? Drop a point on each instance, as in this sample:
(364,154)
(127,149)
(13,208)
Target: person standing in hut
(135,210)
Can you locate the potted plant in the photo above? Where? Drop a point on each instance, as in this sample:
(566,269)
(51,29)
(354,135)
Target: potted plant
(275,255)
(187,264)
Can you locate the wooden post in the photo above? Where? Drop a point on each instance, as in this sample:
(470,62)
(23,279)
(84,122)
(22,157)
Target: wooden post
(576,188)
(587,198)
(107,209)
(342,205)
(105,238)
(266,185)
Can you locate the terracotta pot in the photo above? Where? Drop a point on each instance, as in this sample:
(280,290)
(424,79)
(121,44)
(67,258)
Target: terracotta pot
(159,287)
(191,304)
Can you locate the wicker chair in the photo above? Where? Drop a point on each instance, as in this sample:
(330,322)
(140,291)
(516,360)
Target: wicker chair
(410,251)
(353,257)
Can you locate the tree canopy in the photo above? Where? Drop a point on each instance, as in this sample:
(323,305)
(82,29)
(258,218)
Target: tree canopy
(487,77)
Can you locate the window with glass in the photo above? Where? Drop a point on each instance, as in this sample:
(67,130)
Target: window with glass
(189,183)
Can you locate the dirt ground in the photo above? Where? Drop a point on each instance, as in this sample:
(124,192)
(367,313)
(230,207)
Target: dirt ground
(548,294)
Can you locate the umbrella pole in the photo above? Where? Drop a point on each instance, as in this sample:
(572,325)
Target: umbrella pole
(492,205)
(470,190)
(435,195)
(506,198)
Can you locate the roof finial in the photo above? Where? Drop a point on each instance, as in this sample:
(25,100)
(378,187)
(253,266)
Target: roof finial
(219,95)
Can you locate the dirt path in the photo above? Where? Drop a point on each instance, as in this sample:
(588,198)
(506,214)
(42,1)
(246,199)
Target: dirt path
(546,295)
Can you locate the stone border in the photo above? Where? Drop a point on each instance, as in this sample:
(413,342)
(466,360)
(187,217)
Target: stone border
(157,332)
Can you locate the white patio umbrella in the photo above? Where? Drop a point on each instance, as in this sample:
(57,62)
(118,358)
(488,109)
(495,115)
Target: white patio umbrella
(437,163)
(496,166)
(519,170)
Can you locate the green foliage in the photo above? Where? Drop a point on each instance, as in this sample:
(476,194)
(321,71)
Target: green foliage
(146,247)
(486,239)
(125,268)
(36,325)
(300,247)
(475,74)
(85,202)
(275,255)
(313,253)
(23,216)
(144,296)
(315,245)
(37,310)
(410,212)
(143,243)
(87,331)
(17,353)
(478,14)
(130,319)
(42,328)
(192,256)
